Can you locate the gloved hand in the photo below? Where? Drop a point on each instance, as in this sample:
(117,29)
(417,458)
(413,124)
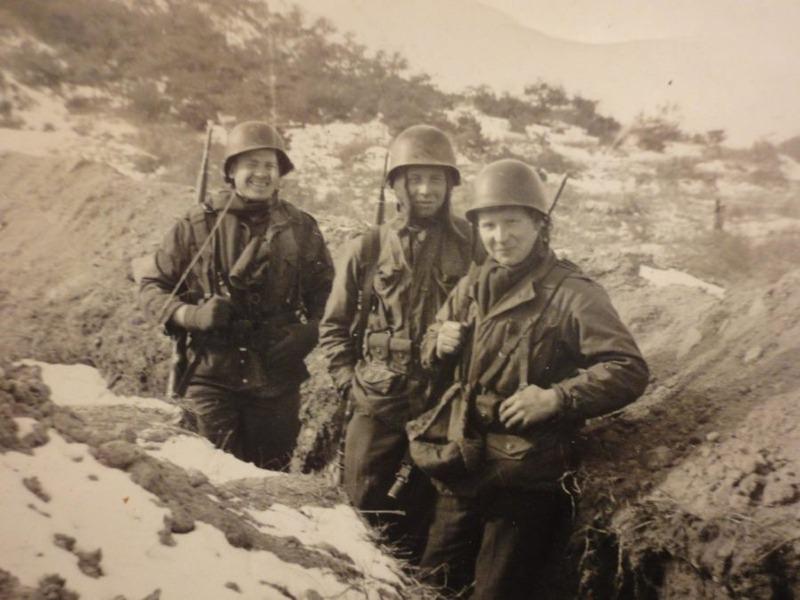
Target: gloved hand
(300,339)
(216,313)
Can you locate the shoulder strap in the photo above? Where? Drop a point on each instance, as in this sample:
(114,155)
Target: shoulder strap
(202,222)
(370,252)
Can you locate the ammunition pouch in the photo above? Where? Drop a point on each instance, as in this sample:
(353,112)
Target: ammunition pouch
(500,444)
(383,346)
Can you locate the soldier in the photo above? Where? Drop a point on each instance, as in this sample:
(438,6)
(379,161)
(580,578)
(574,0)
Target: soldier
(400,272)
(251,304)
(539,349)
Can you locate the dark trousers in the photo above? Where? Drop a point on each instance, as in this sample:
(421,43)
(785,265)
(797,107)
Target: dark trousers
(500,539)
(373,454)
(254,429)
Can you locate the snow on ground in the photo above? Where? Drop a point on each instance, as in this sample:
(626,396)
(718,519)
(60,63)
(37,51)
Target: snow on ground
(81,385)
(683,150)
(666,277)
(319,146)
(192,452)
(731,188)
(100,507)
(322,527)
(146,5)
(790,168)
(37,108)
(35,143)
(48,128)
(590,183)
(25,426)
(571,135)
(62,490)
(764,228)
(574,153)
(238,32)
(713,167)
(495,129)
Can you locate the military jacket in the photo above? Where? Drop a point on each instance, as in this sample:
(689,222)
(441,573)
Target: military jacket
(288,285)
(415,271)
(573,342)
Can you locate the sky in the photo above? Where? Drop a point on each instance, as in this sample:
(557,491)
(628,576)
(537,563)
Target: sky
(627,20)
(726,64)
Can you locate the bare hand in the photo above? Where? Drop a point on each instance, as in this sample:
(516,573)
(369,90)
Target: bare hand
(529,406)
(451,336)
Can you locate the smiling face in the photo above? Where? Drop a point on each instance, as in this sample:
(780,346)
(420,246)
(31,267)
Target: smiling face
(508,233)
(256,174)
(422,190)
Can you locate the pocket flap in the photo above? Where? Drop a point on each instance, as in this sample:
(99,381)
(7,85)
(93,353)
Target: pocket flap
(508,446)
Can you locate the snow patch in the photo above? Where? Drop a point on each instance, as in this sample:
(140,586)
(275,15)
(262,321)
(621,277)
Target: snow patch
(667,277)
(238,32)
(683,150)
(317,147)
(319,527)
(81,385)
(762,229)
(691,339)
(25,425)
(35,143)
(98,507)
(495,129)
(194,452)
(732,188)
(790,168)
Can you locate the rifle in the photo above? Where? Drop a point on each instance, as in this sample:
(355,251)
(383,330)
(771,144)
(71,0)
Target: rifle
(558,195)
(180,370)
(382,196)
(372,246)
(346,397)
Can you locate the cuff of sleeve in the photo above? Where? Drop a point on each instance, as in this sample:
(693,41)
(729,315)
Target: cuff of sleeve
(169,326)
(565,404)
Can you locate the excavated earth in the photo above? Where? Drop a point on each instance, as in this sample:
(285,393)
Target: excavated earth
(692,492)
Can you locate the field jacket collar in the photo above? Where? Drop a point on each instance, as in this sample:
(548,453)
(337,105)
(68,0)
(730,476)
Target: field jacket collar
(523,291)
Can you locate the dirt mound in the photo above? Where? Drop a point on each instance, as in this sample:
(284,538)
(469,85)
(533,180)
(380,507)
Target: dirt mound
(694,491)
(57,459)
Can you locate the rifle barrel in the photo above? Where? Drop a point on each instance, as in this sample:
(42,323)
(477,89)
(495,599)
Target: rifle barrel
(558,195)
(202,175)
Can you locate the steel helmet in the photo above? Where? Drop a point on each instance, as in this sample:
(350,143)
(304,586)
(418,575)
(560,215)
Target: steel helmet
(507,182)
(255,135)
(422,145)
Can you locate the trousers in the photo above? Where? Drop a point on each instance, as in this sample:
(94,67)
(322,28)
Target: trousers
(373,454)
(498,541)
(255,429)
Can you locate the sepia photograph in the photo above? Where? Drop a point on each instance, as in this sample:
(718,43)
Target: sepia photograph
(366,299)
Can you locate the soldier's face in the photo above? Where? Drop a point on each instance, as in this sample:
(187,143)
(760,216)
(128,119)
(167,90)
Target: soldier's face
(256,175)
(425,189)
(508,233)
